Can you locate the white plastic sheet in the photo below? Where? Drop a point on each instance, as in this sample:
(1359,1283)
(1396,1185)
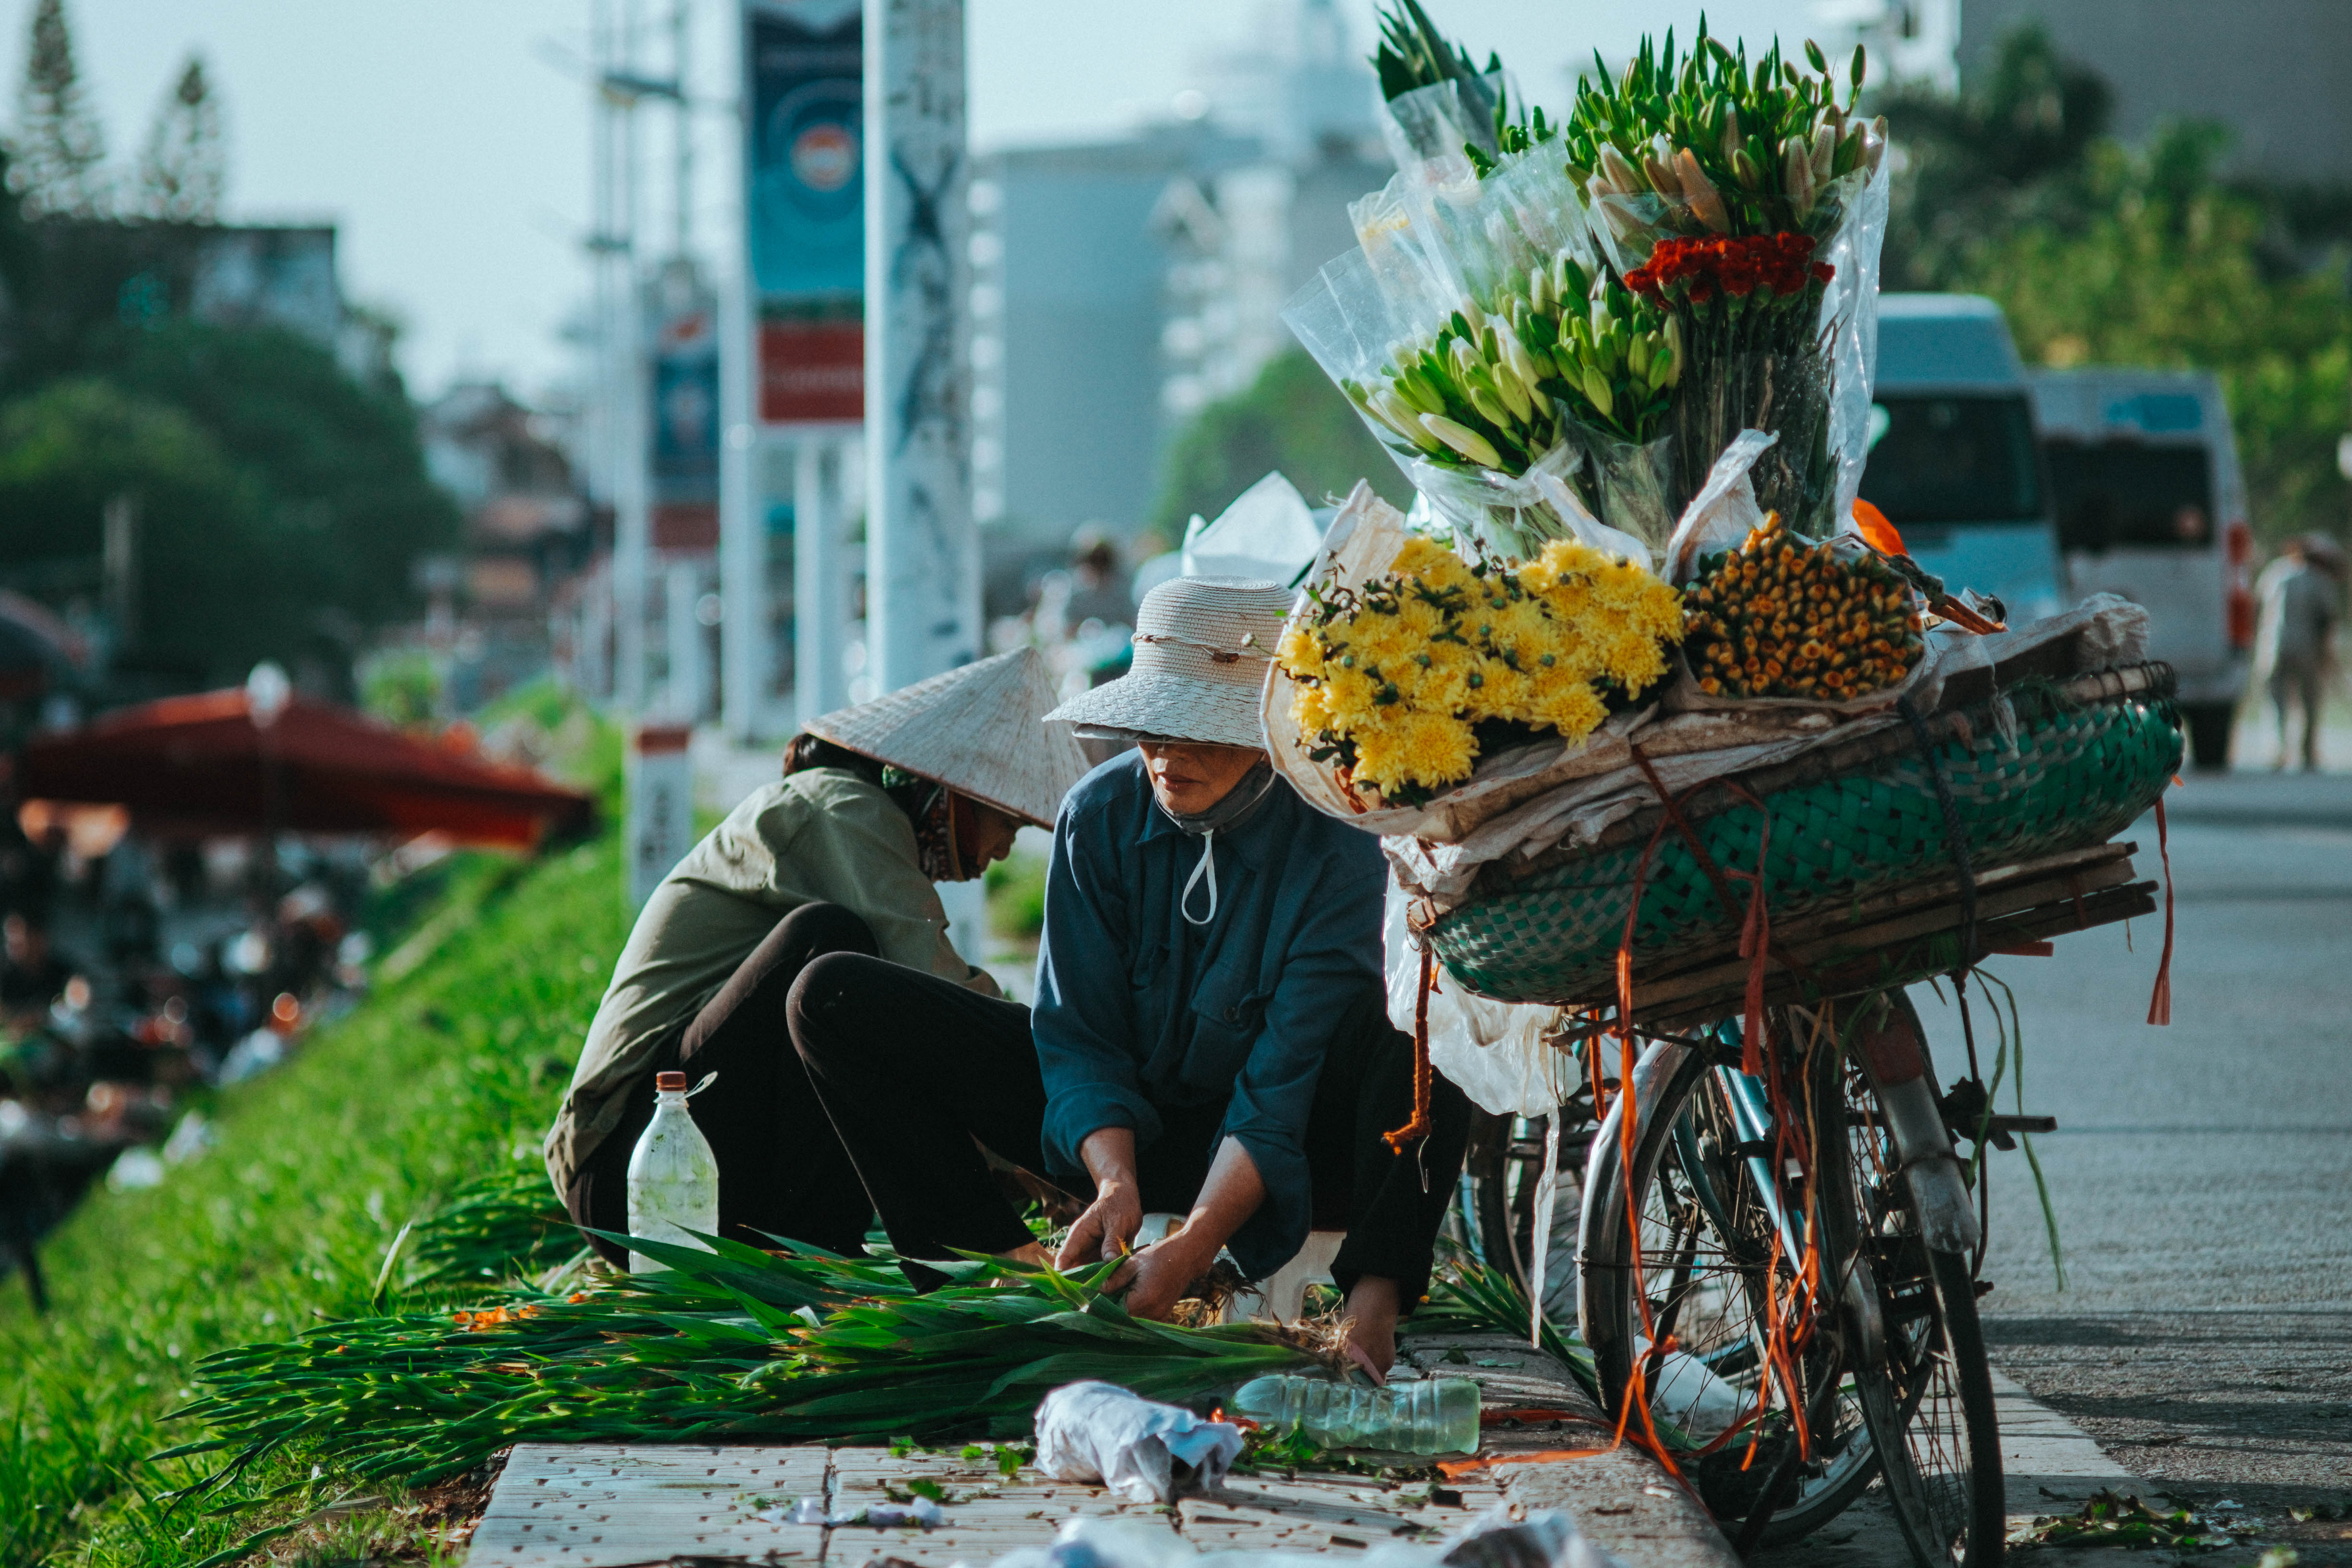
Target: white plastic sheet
(1545,1538)
(1267,535)
(1493,1051)
(1143,1451)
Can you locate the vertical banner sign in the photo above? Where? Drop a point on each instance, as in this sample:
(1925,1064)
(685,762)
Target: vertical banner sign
(806,206)
(683,414)
(661,807)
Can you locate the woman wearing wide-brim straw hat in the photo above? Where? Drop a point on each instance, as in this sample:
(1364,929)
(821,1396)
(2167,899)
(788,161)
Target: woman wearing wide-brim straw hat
(1210,1036)
(877,803)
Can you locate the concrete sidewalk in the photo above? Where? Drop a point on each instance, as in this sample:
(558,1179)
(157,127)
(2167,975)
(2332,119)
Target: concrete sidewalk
(605,1506)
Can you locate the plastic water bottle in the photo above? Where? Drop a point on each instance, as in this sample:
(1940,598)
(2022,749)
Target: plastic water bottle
(673,1176)
(1430,1416)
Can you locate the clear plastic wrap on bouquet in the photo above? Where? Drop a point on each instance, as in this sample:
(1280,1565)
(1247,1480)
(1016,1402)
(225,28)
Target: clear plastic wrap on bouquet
(1627,486)
(1753,366)
(1439,120)
(1850,304)
(1435,242)
(1514,516)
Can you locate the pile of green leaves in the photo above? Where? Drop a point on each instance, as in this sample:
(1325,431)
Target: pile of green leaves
(2112,1519)
(732,1344)
(503,1226)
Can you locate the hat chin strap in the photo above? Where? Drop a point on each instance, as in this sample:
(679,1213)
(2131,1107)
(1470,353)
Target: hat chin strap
(1207,867)
(1239,804)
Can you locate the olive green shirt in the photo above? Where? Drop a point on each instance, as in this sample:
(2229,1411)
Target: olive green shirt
(821,835)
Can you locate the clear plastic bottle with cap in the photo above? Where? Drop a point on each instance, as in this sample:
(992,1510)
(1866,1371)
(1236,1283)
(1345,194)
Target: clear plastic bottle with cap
(673,1176)
(1426,1416)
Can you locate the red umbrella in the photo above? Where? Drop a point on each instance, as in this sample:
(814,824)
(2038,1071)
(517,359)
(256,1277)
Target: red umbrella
(201,765)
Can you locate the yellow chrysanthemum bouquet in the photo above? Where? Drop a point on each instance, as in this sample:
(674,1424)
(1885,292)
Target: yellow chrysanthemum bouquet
(1404,679)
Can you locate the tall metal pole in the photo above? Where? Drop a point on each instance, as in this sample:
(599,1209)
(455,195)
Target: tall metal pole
(632,521)
(744,656)
(922,556)
(682,129)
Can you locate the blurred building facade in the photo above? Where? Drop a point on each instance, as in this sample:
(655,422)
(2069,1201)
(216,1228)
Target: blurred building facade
(497,613)
(1119,286)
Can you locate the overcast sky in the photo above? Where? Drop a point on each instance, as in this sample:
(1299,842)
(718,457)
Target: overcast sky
(449,139)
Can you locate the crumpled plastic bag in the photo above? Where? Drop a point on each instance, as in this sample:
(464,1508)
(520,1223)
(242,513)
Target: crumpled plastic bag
(1143,1451)
(1547,1538)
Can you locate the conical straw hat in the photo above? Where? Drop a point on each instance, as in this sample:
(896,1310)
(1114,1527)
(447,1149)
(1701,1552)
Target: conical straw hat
(980,729)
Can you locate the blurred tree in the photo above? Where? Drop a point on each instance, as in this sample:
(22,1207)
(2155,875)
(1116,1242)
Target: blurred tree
(403,689)
(280,502)
(2101,254)
(60,149)
(183,174)
(2165,266)
(341,462)
(1290,418)
(2011,151)
(212,583)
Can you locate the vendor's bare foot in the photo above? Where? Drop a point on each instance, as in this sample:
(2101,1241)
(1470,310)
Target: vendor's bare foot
(1372,1308)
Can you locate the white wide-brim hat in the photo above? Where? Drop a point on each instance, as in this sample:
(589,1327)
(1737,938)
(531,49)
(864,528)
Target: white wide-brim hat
(980,729)
(1202,648)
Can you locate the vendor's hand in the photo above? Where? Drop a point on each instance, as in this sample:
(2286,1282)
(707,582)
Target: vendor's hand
(1156,1278)
(1372,1309)
(1105,1230)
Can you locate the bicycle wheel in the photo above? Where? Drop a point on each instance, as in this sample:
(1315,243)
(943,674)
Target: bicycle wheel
(1931,1409)
(1707,1231)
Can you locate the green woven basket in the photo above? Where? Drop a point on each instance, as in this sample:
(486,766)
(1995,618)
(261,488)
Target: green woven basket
(2079,772)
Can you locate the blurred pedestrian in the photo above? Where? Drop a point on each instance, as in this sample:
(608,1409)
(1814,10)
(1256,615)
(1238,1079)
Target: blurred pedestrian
(2302,604)
(1098,580)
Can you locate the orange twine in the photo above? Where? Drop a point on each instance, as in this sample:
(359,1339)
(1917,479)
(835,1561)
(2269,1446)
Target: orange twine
(1424,1076)
(2159,1001)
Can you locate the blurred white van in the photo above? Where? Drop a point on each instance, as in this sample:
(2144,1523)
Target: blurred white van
(2144,473)
(1954,463)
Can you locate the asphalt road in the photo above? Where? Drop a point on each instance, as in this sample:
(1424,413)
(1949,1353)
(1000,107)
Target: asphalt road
(2201,1175)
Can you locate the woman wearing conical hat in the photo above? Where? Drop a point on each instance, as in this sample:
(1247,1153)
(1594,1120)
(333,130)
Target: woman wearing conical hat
(877,803)
(1210,1037)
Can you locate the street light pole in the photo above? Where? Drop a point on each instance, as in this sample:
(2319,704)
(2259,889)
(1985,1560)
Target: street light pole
(922,557)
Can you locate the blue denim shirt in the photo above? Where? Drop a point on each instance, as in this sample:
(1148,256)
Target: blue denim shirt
(1137,1008)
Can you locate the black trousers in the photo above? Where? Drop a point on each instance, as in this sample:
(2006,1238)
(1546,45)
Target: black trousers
(781,1173)
(911,1069)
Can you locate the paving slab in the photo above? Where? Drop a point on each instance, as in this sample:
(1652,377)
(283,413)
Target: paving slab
(601,1505)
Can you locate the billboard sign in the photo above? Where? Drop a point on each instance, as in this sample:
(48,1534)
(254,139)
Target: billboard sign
(806,206)
(683,328)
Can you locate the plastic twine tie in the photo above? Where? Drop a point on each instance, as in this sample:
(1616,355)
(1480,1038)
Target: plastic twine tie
(2159,1001)
(1208,867)
(1423,1073)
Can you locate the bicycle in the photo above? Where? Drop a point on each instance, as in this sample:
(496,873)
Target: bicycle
(1781,1296)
